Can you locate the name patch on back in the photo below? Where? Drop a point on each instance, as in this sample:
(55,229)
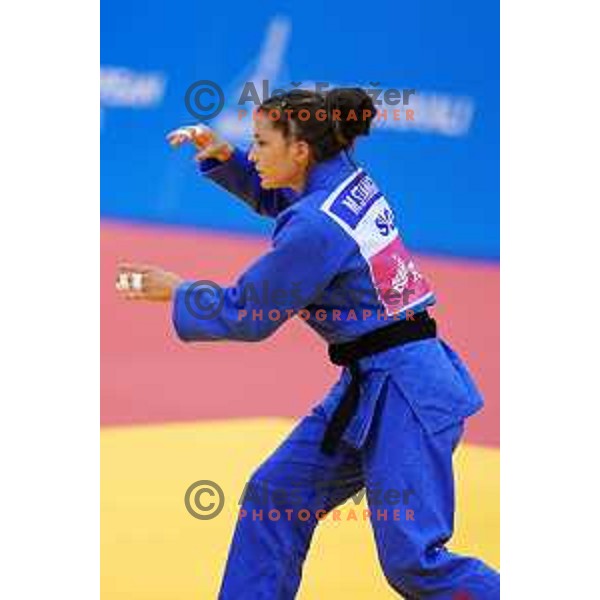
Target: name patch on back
(362,211)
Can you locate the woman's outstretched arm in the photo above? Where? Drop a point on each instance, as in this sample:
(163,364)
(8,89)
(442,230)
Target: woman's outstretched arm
(306,255)
(230,168)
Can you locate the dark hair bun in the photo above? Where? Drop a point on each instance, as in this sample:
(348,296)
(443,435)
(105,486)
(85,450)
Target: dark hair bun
(351,99)
(349,114)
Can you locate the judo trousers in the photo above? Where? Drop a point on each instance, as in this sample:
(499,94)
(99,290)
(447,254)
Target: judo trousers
(401,465)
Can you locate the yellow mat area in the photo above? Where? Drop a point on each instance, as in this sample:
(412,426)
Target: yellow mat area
(153,549)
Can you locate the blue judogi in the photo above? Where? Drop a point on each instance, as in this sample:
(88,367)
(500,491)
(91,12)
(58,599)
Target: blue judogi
(337,257)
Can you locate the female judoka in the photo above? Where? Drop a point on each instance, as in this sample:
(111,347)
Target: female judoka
(394,418)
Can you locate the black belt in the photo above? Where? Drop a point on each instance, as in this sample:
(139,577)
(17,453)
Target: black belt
(419,327)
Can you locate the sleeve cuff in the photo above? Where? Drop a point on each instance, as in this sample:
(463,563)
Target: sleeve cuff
(208,166)
(181,316)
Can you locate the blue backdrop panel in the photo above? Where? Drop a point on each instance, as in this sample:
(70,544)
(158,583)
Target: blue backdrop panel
(442,174)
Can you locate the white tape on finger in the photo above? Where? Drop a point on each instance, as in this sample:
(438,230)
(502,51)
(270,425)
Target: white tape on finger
(123,282)
(137,282)
(179,135)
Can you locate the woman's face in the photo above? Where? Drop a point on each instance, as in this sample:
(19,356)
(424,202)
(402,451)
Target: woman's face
(280,162)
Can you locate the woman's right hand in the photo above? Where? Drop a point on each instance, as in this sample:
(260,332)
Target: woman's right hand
(209,144)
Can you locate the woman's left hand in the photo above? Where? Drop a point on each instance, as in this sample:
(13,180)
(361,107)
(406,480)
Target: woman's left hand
(145,282)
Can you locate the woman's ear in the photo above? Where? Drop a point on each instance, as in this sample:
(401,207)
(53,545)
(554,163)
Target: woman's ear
(301,154)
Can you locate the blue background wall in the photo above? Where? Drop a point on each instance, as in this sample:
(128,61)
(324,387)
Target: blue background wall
(445,185)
